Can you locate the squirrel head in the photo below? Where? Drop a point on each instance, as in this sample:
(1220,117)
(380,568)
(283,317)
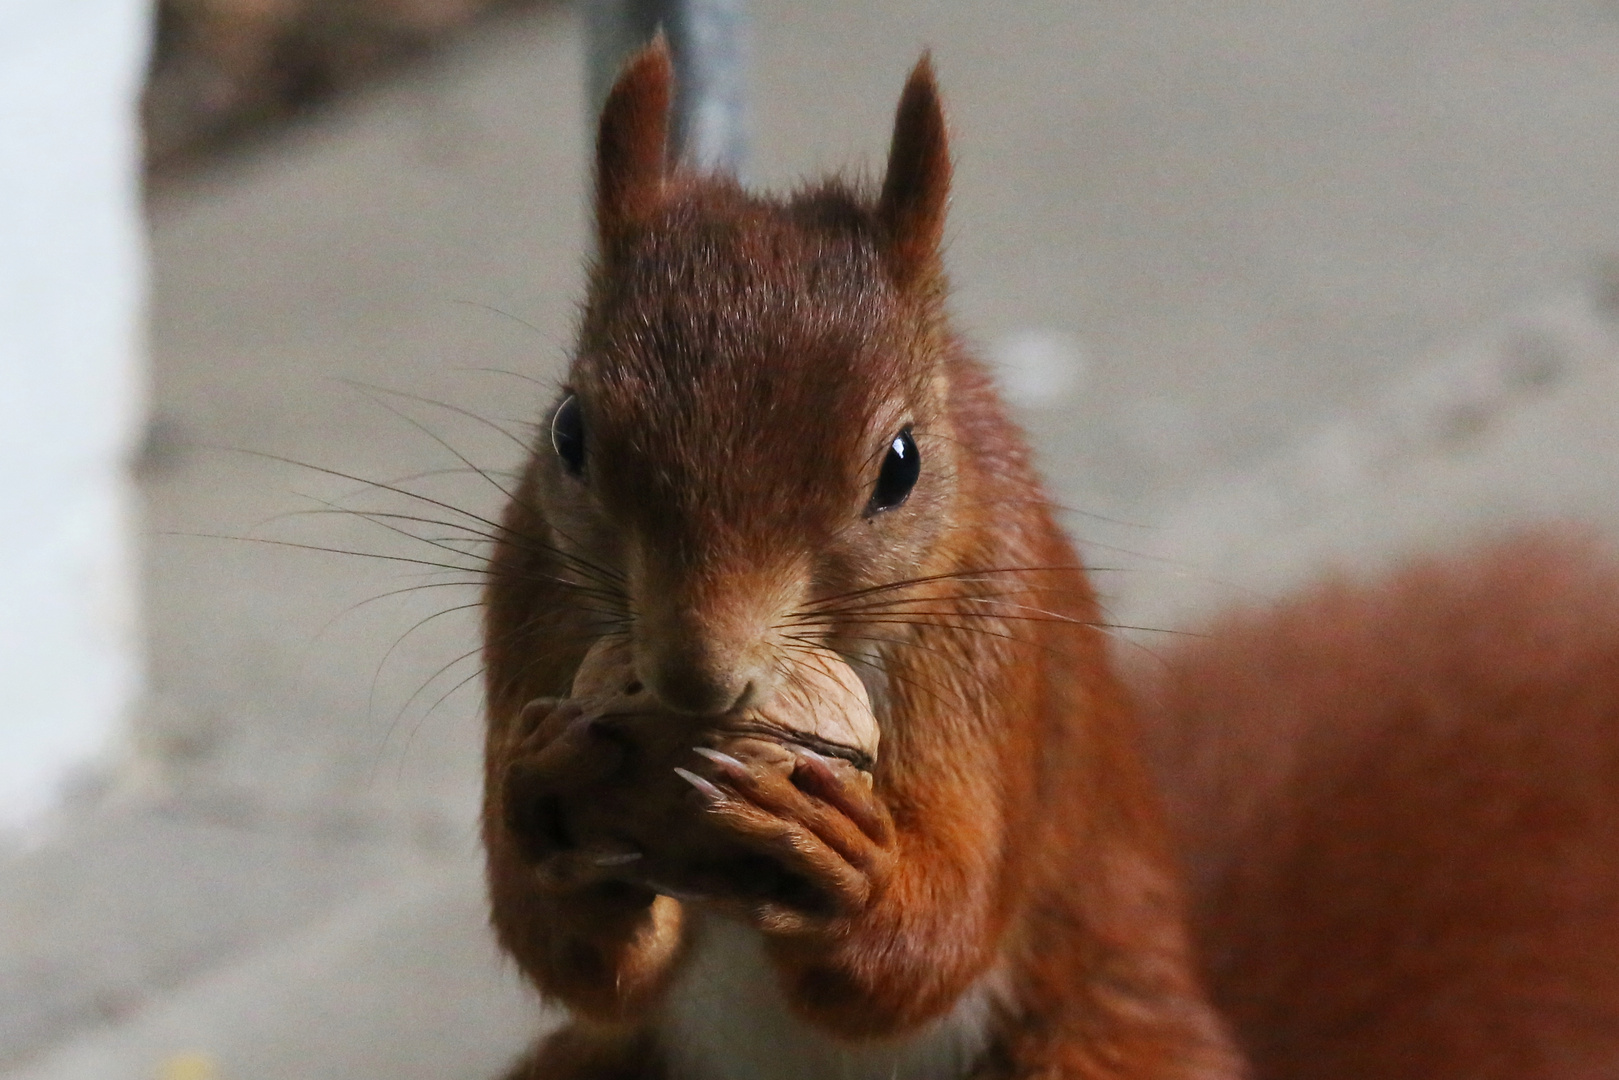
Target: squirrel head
(757,419)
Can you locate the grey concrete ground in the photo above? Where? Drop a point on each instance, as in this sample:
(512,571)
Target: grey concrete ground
(1281,284)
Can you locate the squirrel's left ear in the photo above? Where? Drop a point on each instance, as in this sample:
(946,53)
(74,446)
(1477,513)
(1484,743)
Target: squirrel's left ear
(916,188)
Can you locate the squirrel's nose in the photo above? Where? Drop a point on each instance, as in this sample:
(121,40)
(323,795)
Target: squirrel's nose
(699,691)
(700,674)
(702,638)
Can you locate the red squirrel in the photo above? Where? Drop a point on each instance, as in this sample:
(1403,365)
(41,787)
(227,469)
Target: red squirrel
(769,440)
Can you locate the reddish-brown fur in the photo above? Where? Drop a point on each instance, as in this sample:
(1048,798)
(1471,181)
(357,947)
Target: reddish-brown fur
(743,364)
(1400,810)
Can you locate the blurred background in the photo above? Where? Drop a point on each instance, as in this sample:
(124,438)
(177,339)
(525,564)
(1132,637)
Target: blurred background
(1278,286)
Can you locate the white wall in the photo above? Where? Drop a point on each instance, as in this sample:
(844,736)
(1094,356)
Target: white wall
(72,283)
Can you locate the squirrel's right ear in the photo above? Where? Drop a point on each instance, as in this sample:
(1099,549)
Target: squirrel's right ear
(632,142)
(916,187)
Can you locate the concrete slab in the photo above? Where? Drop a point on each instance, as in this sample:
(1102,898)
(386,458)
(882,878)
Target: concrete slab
(128,906)
(400,982)
(1511,428)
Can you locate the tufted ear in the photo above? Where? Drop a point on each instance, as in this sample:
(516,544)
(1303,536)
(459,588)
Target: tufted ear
(632,142)
(916,187)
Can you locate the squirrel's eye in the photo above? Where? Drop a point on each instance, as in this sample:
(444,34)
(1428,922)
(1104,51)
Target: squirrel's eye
(568,434)
(901,467)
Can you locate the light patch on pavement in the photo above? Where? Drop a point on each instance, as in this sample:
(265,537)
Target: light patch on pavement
(1039,367)
(189,1067)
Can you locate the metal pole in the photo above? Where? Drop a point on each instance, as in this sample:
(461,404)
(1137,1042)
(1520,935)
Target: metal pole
(708,40)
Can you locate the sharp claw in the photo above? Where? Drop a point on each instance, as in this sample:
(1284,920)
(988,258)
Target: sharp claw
(704,787)
(817,765)
(723,760)
(685,896)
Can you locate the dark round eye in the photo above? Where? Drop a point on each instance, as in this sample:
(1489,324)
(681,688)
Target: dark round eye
(568,434)
(901,467)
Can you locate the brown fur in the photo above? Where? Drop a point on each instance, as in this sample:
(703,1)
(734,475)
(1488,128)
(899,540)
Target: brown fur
(1395,805)
(1401,813)
(632,145)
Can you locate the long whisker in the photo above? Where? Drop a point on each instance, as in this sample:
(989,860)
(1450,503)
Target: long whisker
(382,664)
(579,561)
(934,621)
(431,474)
(809,645)
(429,711)
(339,474)
(421,587)
(1053,618)
(605,574)
(435,436)
(957,575)
(584,566)
(393,725)
(607,628)
(380,517)
(491,309)
(1036,613)
(458,410)
(420,690)
(329,550)
(880,603)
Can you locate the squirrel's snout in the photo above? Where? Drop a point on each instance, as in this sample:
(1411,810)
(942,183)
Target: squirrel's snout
(702,640)
(701,675)
(699,692)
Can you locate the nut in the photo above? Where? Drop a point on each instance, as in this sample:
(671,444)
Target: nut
(821,705)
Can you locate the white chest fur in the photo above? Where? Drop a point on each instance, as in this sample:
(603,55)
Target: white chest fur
(726,1019)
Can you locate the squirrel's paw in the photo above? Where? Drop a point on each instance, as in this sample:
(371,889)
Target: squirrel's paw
(820,844)
(559,750)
